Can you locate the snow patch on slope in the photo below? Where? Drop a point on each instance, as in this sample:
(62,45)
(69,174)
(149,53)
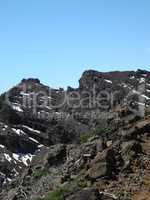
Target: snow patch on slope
(31,129)
(108,81)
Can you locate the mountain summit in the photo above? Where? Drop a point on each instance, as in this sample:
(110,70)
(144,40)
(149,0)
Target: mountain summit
(90,142)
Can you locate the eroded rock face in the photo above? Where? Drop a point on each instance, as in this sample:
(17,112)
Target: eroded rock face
(129,151)
(91,194)
(103,165)
(57,155)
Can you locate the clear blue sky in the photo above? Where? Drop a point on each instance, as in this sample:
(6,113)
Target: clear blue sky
(56,40)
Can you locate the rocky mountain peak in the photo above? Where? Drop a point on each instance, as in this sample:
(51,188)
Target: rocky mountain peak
(30,81)
(77,144)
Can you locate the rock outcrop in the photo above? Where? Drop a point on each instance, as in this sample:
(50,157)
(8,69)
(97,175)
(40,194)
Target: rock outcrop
(77,144)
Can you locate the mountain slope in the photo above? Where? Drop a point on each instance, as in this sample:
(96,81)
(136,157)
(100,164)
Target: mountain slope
(92,141)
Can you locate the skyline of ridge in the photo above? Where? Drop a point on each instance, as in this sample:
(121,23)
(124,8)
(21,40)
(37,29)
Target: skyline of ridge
(73,86)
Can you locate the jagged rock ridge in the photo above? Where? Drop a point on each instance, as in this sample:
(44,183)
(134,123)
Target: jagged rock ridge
(99,150)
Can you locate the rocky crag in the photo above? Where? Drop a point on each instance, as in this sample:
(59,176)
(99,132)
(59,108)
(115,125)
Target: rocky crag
(90,142)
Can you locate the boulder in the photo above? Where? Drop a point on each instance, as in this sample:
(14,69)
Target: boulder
(129,151)
(103,165)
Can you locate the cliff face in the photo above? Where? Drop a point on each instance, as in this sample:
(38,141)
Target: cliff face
(87,142)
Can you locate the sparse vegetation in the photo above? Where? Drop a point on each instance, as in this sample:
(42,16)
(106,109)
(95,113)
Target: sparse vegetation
(56,195)
(97,132)
(37,174)
(85,137)
(69,188)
